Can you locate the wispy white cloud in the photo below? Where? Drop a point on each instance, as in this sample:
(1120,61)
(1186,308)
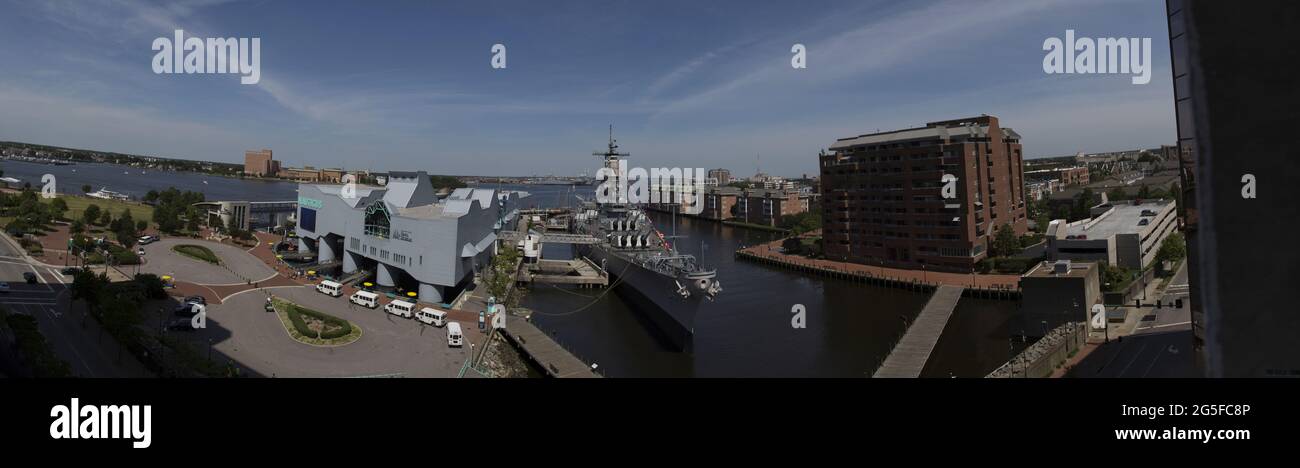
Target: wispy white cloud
(878,45)
(44,118)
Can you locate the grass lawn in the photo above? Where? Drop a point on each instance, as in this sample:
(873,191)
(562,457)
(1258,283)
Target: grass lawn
(197,252)
(78,204)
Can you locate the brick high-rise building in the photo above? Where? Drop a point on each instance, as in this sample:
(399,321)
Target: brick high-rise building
(260,163)
(882,201)
(723,176)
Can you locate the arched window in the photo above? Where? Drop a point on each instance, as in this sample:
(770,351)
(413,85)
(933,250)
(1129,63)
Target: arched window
(377,220)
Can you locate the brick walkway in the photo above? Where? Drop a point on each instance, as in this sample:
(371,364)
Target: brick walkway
(772,251)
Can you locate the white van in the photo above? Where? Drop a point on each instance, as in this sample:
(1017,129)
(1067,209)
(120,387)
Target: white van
(365,299)
(433,317)
(330,288)
(454,337)
(400,308)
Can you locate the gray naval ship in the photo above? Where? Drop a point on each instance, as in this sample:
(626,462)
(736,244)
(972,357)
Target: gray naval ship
(666,286)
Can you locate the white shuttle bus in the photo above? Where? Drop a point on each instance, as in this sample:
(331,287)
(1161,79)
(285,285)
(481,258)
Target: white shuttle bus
(400,308)
(433,317)
(330,288)
(365,299)
(454,337)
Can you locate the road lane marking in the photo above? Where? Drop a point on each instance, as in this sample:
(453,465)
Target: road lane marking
(38,278)
(1135,358)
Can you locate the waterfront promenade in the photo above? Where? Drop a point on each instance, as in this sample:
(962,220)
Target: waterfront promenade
(983,284)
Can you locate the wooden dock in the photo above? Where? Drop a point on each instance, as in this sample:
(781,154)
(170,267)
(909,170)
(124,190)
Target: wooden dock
(545,352)
(910,354)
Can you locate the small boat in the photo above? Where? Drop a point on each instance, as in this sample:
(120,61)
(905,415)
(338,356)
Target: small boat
(106,194)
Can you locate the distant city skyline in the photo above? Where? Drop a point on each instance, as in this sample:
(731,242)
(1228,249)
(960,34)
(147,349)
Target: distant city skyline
(409,87)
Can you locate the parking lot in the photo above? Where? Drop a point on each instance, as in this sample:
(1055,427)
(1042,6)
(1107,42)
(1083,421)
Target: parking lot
(241,330)
(238,266)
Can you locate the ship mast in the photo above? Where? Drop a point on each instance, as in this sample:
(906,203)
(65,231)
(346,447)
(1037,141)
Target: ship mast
(611,158)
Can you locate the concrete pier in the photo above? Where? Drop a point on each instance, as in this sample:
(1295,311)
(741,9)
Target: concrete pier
(909,356)
(545,352)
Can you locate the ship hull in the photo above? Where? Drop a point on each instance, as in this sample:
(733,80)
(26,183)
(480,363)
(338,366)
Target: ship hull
(654,296)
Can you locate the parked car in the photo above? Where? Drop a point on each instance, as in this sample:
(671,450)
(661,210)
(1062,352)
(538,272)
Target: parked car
(185,310)
(196,300)
(4,287)
(70,270)
(180,324)
(140,252)
(29,277)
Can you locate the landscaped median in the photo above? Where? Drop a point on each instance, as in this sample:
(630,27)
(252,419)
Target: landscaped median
(197,252)
(313,327)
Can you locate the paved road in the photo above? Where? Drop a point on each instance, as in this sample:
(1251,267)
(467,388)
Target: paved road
(1169,318)
(239,266)
(73,337)
(1160,346)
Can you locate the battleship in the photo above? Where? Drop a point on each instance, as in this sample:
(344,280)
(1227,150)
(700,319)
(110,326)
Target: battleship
(646,270)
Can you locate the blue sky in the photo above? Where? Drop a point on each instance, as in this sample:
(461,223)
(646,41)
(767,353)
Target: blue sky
(388,85)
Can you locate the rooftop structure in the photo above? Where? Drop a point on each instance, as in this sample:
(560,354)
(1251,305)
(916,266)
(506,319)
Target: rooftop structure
(1125,234)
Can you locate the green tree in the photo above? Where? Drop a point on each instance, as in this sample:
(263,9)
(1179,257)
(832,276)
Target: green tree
(91,214)
(105,218)
(77,227)
(58,207)
(501,278)
(141,225)
(1082,203)
(1117,194)
(1173,249)
(1144,192)
(1005,242)
(85,189)
(88,286)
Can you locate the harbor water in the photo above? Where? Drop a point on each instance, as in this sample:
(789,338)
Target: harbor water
(747,331)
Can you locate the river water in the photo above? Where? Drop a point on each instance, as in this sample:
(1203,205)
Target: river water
(136,182)
(746,332)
